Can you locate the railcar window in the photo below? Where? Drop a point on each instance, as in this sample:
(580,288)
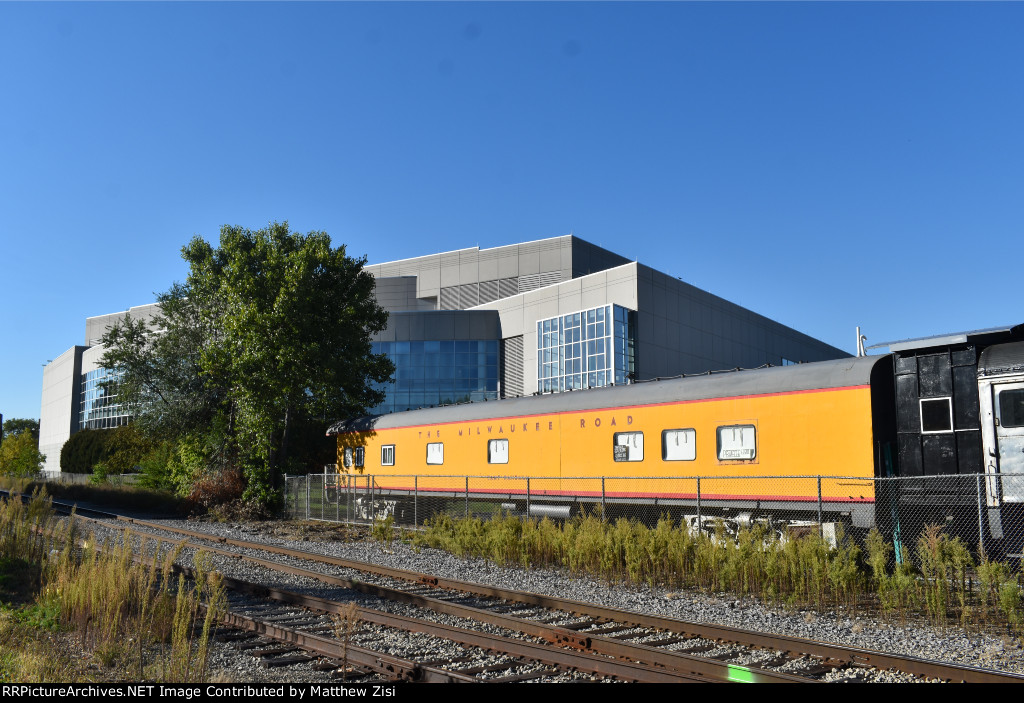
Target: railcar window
(1011,408)
(348,458)
(679,445)
(737,442)
(497,451)
(936,415)
(628,446)
(387,455)
(435,453)
(360,456)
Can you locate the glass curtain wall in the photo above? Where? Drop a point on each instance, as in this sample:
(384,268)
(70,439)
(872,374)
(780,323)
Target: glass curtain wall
(586,349)
(439,372)
(99,409)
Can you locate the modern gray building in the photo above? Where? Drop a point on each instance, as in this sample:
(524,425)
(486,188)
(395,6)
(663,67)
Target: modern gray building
(556,315)
(75,396)
(548,316)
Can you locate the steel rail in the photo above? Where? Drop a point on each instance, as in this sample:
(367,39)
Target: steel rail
(681,666)
(564,659)
(837,653)
(404,669)
(391,666)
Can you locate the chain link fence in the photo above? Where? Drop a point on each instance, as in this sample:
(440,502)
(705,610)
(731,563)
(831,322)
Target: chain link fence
(66,478)
(985,511)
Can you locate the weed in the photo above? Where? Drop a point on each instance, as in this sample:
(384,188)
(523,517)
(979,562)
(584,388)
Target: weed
(384,530)
(345,623)
(798,570)
(40,616)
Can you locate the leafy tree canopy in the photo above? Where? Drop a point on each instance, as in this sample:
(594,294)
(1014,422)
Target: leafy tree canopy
(17,425)
(271,330)
(19,456)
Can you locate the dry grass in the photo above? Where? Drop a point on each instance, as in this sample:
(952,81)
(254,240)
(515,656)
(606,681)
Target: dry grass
(128,615)
(105,494)
(802,571)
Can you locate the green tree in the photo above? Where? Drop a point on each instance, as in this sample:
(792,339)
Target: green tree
(17,425)
(270,332)
(19,456)
(161,381)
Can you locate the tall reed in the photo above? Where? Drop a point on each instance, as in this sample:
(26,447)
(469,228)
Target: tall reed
(110,595)
(798,569)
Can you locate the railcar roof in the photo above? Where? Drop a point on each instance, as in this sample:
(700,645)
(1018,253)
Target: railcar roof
(1002,358)
(839,373)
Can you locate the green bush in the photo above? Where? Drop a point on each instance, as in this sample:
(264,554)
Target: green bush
(84,450)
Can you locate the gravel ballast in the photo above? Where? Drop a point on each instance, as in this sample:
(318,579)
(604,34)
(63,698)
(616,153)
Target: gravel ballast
(913,638)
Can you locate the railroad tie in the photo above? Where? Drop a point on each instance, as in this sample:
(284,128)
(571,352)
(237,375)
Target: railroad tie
(286,661)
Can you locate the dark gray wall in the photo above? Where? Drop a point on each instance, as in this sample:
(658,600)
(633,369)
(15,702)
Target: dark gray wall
(399,295)
(683,329)
(589,258)
(441,324)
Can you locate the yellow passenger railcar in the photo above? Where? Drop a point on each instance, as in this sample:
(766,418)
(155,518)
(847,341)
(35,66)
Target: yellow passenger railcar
(755,439)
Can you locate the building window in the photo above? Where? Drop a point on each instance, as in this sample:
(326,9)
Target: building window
(497,451)
(628,446)
(737,443)
(99,407)
(679,445)
(387,455)
(936,415)
(439,372)
(435,453)
(587,349)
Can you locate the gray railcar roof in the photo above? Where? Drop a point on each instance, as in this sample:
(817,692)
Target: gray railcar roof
(1001,358)
(819,375)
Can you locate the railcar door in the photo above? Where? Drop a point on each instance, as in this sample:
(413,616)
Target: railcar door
(1008,407)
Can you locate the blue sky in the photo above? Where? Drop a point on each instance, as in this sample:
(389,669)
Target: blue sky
(825,164)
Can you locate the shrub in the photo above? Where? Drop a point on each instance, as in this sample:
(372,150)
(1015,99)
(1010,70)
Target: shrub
(83,451)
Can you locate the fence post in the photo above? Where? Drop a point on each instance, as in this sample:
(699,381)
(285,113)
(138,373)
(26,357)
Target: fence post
(821,528)
(700,526)
(323,495)
(337,497)
(307,498)
(527,497)
(373,510)
(467,497)
(981,528)
(415,501)
(604,508)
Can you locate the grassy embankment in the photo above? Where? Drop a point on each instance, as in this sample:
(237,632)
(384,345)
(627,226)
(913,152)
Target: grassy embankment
(939,578)
(72,613)
(105,494)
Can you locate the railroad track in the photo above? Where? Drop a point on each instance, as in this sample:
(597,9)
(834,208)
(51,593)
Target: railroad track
(668,648)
